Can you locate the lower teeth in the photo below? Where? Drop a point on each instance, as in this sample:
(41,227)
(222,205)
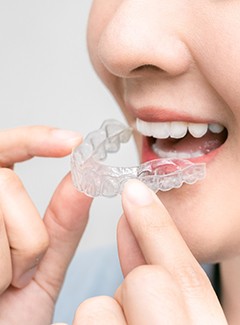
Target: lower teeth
(176,154)
(203,150)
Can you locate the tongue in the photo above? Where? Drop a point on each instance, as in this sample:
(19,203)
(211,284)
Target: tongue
(210,141)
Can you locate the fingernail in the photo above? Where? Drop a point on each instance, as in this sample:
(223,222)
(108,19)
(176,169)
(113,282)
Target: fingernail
(26,277)
(138,193)
(67,135)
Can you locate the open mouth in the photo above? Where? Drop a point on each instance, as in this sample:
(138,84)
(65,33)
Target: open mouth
(181,139)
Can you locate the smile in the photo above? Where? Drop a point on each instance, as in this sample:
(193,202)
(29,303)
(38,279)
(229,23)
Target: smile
(179,139)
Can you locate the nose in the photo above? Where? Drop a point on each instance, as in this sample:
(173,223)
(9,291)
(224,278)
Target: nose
(146,34)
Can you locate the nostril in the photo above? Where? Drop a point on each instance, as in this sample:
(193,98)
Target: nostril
(123,58)
(147,68)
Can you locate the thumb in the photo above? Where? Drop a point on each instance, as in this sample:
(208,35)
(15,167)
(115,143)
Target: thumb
(65,219)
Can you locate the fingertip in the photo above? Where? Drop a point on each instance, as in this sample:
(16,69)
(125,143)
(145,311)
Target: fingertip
(69,137)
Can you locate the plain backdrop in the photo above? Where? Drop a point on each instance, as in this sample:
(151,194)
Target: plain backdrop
(46,78)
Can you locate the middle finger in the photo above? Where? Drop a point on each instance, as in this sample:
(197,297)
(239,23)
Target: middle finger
(5,257)
(27,236)
(99,311)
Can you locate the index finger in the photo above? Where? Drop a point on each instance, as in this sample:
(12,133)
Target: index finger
(23,143)
(163,246)
(155,232)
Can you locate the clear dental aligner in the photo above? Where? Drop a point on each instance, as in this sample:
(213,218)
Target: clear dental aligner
(96,179)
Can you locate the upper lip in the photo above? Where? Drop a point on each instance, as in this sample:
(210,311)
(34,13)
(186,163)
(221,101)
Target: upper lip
(161,114)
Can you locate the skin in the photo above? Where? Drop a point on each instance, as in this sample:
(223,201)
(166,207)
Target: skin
(176,54)
(188,78)
(181,58)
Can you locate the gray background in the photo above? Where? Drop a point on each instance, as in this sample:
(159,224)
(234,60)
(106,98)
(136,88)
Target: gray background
(46,78)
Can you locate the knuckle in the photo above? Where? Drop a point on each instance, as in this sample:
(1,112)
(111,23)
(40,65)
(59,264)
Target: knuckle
(151,280)
(5,281)
(34,247)
(8,178)
(10,183)
(192,279)
(150,226)
(138,275)
(4,286)
(39,246)
(146,276)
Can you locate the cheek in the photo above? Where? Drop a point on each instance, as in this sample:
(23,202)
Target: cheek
(216,48)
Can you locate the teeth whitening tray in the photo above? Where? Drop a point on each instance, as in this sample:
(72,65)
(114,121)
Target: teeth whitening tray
(96,179)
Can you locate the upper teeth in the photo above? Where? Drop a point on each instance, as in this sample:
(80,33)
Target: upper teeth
(176,130)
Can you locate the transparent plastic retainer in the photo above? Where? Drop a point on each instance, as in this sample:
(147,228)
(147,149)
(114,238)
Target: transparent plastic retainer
(96,179)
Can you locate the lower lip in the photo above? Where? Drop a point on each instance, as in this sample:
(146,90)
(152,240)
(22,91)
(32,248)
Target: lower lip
(148,154)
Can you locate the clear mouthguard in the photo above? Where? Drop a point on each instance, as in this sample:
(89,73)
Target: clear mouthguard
(96,179)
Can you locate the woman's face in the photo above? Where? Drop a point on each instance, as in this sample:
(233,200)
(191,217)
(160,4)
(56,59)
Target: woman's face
(177,63)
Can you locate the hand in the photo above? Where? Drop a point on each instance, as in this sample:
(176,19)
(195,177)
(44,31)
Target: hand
(35,253)
(164,284)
